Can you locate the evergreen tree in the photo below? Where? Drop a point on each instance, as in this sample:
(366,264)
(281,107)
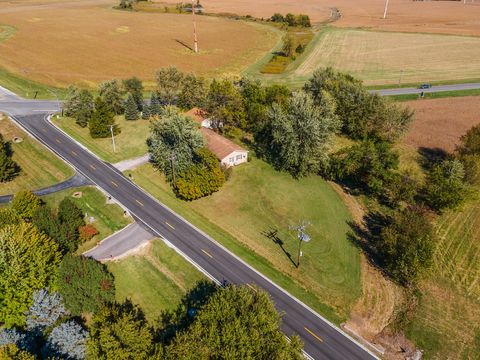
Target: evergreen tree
(66,341)
(84,284)
(9,169)
(25,203)
(146,114)
(120,331)
(28,262)
(155,106)
(45,311)
(102,119)
(134,87)
(131,111)
(111,94)
(169,84)
(8,216)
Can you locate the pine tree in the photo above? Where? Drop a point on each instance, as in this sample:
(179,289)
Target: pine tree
(146,114)
(131,111)
(134,86)
(45,311)
(155,106)
(102,119)
(66,341)
(8,168)
(25,203)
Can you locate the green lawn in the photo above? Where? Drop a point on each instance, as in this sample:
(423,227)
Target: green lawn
(258,200)
(130,143)
(108,217)
(156,279)
(40,167)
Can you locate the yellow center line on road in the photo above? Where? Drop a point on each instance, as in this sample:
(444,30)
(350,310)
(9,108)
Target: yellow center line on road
(251,287)
(170,225)
(44,130)
(74,153)
(114,183)
(313,334)
(58,141)
(139,202)
(206,253)
(93,167)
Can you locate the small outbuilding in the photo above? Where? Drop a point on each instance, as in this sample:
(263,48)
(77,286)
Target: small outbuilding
(229,153)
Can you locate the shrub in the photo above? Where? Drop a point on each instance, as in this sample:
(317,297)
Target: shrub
(87,232)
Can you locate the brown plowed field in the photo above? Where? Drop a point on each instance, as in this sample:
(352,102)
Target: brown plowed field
(439,123)
(81,42)
(452,17)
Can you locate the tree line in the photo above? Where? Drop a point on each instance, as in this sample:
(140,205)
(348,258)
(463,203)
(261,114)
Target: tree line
(9,169)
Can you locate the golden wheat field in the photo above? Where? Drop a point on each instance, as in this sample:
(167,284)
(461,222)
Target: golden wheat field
(85,42)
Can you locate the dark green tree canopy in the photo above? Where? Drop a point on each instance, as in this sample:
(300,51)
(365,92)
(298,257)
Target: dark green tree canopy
(131,108)
(134,87)
(225,105)
(9,169)
(85,284)
(470,142)
(25,203)
(169,85)
(79,105)
(193,93)
(111,94)
(101,120)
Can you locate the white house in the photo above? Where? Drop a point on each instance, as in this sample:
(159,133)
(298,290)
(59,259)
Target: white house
(229,153)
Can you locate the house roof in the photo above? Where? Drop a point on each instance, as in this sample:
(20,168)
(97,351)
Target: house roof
(217,144)
(198,115)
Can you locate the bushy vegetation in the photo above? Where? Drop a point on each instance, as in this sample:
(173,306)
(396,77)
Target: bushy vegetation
(300,20)
(9,169)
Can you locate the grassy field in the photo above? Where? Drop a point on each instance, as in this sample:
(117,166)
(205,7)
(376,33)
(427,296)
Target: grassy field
(329,276)
(88,43)
(160,275)
(40,168)
(130,143)
(383,57)
(108,217)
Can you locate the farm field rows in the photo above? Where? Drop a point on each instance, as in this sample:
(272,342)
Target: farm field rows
(86,44)
(40,167)
(380,58)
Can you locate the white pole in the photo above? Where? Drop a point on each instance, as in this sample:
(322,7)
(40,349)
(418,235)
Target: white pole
(113,138)
(386,9)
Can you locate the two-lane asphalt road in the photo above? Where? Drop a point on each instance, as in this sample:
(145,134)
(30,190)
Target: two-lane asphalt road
(433,89)
(322,340)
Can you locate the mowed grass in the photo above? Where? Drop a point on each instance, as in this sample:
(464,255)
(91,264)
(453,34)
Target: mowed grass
(90,43)
(385,58)
(156,279)
(40,167)
(108,218)
(258,201)
(130,143)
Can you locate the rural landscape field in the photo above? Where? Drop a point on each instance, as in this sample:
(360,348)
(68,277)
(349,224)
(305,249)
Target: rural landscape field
(283,178)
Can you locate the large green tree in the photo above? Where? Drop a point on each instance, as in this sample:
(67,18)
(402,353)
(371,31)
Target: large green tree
(120,332)
(28,262)
(407,244)
(203,178)
(25,203)
(301,134)
(235,323)
(101,120)
(111,94)
(193,93)
(225,105)
(79,105)
(134,87)
(131,110)
(169,85)
(173,141)
(9,169)
(85,284)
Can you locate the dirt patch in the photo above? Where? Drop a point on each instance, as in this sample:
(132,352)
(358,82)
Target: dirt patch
(439,123)
(91,43)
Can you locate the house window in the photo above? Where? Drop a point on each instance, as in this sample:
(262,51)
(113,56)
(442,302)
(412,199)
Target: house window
(239,157)
(231,159)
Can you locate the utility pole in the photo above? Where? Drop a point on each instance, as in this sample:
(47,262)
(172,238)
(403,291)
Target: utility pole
(60,107)
(195,40)
(386,9)
(302,237)
(113,136)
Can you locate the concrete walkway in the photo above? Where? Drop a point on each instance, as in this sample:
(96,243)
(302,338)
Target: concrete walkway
(131,164)
(75,181)
(121,244)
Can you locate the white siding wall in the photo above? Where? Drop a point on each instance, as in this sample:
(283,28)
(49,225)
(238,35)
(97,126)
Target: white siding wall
(235,158)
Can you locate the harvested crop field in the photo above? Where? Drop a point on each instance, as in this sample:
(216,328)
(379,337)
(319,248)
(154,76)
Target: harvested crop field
(448,17)
(382,57)
(439,123)
(63,43)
